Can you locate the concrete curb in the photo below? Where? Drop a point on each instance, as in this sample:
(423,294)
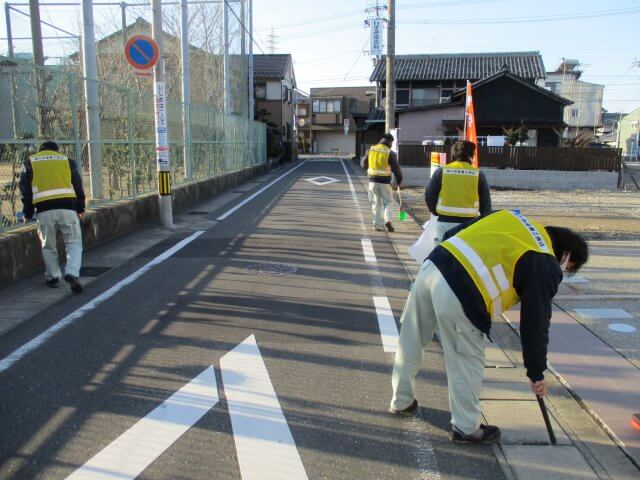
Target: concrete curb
(20,251)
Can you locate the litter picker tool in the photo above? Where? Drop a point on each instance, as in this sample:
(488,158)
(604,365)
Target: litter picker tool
(547,422)
(402,215)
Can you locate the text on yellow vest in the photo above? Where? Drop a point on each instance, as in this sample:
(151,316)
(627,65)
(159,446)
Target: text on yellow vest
(379,161)
(489,251)
(459,192)
(51,176)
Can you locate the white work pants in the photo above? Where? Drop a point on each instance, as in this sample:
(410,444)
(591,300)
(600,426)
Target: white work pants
(432,304)
(380,199)
(69,225)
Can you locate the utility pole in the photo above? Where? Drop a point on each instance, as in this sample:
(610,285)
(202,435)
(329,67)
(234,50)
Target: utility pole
(36,32)
(225,57)
(186,88)
(251,98)
(123,18)
(7,17)
(38,59)
(90,70)
(162,145)
(389,104)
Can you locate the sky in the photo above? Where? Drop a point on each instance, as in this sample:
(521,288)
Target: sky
(329,42)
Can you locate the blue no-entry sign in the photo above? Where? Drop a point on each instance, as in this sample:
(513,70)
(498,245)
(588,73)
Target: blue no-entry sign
(141,52)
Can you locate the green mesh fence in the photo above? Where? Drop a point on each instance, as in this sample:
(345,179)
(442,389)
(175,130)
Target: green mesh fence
(47,103)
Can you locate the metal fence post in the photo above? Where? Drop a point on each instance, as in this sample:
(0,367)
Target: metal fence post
(132,156)
(75,125)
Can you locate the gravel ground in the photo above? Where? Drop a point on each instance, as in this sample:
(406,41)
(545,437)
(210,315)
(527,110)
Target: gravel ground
(598,215)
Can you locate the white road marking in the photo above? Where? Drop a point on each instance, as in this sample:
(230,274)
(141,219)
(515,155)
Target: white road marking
(133,451)
(602,313)
(264,445)
(248,199)
(387,324)
(36,342)
(622,327)
(321,181)
(367,250)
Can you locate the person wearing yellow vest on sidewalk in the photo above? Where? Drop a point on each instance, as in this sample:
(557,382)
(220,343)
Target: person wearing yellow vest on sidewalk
(51,187)
(457,192)
(383,169)
(484,268)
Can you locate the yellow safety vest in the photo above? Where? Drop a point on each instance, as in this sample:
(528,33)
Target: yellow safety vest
(489,251)
(459,192)
(51,176)
(379,161)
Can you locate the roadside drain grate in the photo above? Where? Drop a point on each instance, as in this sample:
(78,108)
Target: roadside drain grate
(197,213)
(278,269)
(93,271)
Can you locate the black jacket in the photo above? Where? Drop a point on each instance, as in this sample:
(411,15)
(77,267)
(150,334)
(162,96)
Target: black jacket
(536,280)
(432,192)
(75,204)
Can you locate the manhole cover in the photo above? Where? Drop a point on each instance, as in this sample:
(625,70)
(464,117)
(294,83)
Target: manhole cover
(271,269)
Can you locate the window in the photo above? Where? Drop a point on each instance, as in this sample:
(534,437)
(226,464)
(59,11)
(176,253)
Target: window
(353,106)
(326,106)
(421,97)
(575,113)
(260,91)
(553,86)
(402,97)
(302,111)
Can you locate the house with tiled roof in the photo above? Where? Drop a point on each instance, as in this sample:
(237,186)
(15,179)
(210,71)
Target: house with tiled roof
(274,84)
(508,93)
(422,80)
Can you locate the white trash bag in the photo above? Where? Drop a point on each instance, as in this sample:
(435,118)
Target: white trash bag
(420,250)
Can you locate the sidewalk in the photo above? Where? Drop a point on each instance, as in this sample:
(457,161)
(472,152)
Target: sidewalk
(583,451)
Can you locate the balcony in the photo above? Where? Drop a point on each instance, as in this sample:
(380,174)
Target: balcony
(327,119)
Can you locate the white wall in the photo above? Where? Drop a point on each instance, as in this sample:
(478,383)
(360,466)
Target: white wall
(528,179)
(325,142)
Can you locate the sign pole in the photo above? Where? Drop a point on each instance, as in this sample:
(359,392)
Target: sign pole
(162,144)
(90,70)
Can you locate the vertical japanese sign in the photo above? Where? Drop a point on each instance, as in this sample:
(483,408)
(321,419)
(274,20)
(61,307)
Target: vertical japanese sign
(162,143)
(376,36)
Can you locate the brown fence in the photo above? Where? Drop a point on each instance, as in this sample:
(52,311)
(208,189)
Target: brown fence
(525,158)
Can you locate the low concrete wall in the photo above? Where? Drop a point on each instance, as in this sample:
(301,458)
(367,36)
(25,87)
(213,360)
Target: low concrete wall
(20,251)
(528,179)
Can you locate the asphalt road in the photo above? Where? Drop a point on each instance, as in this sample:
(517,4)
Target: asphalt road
(265,325)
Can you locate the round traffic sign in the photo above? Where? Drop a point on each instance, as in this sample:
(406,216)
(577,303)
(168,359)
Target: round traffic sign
(141,52)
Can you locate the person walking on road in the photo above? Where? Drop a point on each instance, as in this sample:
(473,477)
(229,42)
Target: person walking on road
(51,186)
(381,163)
(486,266)
(458,191)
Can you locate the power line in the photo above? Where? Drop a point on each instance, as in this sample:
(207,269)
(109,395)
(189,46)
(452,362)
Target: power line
(549,18)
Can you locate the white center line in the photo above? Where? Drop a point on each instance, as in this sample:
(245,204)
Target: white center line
(36,342)
(367,249)
(387,324)
(248,199)
(133,451)
(264,444)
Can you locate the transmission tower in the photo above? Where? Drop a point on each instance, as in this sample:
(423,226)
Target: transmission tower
(272,41)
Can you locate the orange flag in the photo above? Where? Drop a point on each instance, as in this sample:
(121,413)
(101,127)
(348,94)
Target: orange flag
(470,123)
